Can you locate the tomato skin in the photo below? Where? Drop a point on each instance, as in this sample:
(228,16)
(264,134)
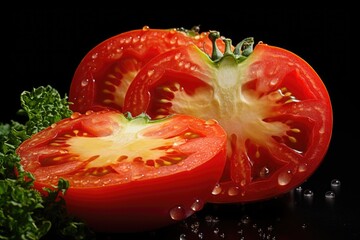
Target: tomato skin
(274,106)
(103,75)
(114,193)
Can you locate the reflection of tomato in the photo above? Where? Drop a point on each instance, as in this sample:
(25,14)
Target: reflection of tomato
(128,174)
(273,105)
(104,74)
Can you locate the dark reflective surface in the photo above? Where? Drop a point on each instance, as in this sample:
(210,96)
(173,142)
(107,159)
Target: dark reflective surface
(45,45)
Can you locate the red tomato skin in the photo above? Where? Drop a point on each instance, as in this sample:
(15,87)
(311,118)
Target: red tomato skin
(101,78)
(143,203)
(310,114)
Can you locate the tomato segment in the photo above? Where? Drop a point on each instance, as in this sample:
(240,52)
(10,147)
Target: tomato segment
(127,174)
(274,107)
(104,74)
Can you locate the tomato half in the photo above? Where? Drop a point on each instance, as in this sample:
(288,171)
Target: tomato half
(104,74)
(273,105)
(128,174)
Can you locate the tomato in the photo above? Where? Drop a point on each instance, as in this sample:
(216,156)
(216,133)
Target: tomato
(275,109)
(128,174)
(104,74)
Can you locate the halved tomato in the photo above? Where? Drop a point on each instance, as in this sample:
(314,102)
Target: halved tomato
(128,174)
(273,105)
(104,74)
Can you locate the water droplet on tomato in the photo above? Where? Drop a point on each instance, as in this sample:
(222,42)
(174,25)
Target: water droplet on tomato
(53,125)
(197,205)
(233,191)
(264,172)
(217,189)
(95,55)
(302,167)
(84,82)
(178,213)
(146,28)
(75,115)
(284,178)
(173,40)
(211,122)
(89,112)
(150,72)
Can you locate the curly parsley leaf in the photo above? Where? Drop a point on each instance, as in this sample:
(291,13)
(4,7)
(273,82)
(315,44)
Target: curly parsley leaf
(24,212)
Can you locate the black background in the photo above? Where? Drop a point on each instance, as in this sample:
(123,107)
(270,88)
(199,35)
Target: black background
(44,46)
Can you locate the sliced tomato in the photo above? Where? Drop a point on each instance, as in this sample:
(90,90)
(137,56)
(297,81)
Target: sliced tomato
(274,107)
(128,174)
(104,74)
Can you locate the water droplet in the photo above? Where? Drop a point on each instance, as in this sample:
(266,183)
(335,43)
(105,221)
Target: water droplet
(150,72)
(335,183)
(178,213)
(53,125)
(89,112)
(329,195)
(95,55)
(302,167)
(197,205)
(264,172)
(75,115)
(245,219)
(84,82)
(145,28)
(217,189)
(211,122)
(233,191)
(308,193)
(284,178)
(182,236)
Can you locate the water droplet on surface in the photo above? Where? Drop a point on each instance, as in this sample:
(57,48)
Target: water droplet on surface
(308,193)
(284,178)
(146,28)
(197,205)
(335,183)
(245,219)
(329,195)
(182,236)
(178,213)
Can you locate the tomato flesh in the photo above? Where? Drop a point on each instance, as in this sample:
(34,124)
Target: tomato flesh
(104,74)
(128,174)
(274,107)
